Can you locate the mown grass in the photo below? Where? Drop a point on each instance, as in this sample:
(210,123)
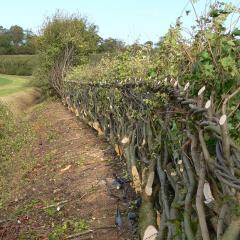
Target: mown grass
(11,83)
(4,81)
(18,64)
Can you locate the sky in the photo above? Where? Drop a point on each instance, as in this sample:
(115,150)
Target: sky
(127,20)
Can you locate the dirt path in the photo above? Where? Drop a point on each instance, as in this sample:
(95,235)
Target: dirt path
(68,187)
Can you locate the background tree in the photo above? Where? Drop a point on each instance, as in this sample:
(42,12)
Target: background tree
(16,34)
(29,43)
(5,41)
(149,43)
(111,45)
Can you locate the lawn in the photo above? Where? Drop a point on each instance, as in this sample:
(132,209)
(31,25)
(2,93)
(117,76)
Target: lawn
(11,84)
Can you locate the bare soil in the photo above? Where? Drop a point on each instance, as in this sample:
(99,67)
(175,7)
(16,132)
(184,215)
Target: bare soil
(68,189)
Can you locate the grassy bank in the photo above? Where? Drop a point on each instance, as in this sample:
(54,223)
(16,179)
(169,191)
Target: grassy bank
(18,64)
(13,135)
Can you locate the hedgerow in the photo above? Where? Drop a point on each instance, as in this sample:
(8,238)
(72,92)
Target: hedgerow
(173,113)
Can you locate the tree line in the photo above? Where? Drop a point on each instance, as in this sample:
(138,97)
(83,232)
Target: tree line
(16,40)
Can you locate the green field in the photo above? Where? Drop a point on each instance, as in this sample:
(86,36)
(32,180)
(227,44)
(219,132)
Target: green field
(11,84)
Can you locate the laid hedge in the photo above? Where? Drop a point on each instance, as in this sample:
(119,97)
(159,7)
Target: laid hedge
(179,154)
(173,114)
(17,64)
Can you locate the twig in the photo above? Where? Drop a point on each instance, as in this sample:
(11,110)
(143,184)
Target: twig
(71,200)
(227,99)
(89,231)
(56,204)
(79,234)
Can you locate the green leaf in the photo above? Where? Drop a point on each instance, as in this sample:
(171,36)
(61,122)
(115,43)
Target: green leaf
(227,62)
(236,32)
(205,55)
(238,115)
(231,43)
(214,13)
(209,35)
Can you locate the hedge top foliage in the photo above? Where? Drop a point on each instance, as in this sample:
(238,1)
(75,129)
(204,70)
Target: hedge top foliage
(129,64)
(210,57)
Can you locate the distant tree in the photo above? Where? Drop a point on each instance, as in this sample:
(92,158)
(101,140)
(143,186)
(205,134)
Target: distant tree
(17,35)
(3,30)
(29,42)
(136,46)
(158,44)
(149,43)
(5,43)
(110,45)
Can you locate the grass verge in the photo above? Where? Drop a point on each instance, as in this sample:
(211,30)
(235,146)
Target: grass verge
(13,135)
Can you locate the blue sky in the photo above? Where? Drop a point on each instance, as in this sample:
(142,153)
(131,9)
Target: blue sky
(128,20)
